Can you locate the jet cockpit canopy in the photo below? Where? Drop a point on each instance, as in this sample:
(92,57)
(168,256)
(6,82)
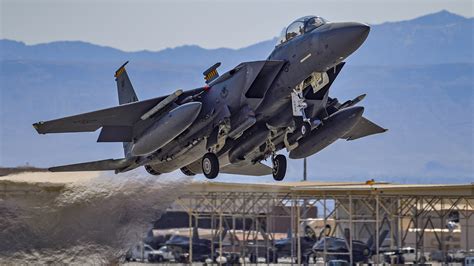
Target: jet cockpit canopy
(299,27)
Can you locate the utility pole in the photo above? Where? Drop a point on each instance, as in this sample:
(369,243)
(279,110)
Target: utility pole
(305,175)
(305,178)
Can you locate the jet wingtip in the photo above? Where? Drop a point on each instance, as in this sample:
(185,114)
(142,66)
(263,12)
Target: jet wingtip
(37,127)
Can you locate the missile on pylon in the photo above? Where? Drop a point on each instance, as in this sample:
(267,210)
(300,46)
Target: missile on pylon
(353,102)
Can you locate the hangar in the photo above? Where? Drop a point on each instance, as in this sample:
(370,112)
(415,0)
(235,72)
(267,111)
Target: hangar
(414,215)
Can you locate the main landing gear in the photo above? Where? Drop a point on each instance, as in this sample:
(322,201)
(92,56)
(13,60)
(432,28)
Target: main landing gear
(279,167)
(185,170)
(210,165)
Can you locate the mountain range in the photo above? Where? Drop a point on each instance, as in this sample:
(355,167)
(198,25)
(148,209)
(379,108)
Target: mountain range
(418,75)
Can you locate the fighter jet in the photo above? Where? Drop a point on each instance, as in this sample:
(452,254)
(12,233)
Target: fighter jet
(238,119)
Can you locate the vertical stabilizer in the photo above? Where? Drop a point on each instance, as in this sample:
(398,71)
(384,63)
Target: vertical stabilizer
(126,94)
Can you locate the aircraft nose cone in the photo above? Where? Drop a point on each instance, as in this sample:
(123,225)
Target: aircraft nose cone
(356,34)
(345,38)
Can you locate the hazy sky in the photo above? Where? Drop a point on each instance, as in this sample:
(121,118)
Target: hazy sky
(154,25)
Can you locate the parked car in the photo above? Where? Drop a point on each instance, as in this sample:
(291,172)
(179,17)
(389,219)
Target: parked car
(360,250)
(164,253)
(338,263)
(450,256)
(405,255)
(139,252)
(469,261)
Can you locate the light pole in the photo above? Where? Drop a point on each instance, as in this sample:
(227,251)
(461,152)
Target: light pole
(305,175)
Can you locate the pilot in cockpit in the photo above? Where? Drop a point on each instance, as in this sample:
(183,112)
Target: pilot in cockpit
(299,27)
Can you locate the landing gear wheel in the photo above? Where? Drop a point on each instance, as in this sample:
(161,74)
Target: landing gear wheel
(279,167)
(151,170)
(210,165)
(185,170)
(305,129)
(253,258)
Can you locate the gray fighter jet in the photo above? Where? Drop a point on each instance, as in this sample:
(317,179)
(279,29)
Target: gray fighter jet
(239,118)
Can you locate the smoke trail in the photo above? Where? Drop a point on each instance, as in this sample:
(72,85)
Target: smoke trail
(91,222)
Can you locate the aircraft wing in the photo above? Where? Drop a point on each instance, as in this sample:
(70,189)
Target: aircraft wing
(103,165)
(122,115)
(257,169)
(362,129)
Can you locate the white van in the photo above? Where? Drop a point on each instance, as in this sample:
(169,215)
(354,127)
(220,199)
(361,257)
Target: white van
(139,252)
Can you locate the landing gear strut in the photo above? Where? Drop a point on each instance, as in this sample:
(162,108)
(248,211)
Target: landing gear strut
(298,103)
(210,165)
(279,167)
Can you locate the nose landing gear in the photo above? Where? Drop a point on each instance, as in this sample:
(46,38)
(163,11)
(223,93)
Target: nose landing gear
(210,165)
(298,103)
(279,167)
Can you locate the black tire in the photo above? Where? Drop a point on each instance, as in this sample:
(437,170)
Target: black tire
(253,258)
(210,165)
(272,257)
(305,129)
(279,167)
(422,260)
(187,172)
(305,259)
(151,170)
(401,259)
(235,258)
(366,252)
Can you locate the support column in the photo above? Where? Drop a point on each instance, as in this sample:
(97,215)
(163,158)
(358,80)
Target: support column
(298,237)
(325,223)
(220,233)
(190,223)
(292,223)
(351,227)
(377,226)
(417,233)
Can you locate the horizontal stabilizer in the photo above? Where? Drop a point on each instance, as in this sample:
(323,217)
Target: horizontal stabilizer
(257,169)
(123,115)
(109,164)
(363,128)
